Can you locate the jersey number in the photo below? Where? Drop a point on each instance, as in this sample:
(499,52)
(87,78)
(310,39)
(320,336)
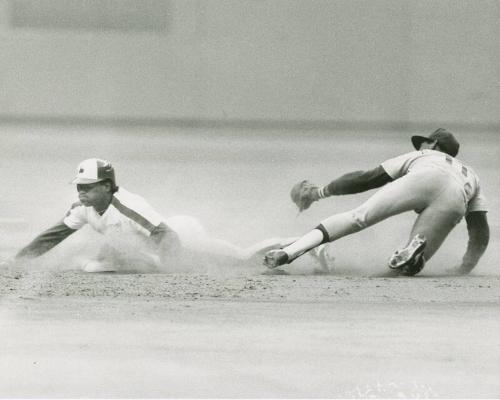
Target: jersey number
(465,172)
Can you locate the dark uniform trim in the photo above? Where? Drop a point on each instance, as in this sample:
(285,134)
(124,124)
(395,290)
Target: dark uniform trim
(326,236)
(133,215)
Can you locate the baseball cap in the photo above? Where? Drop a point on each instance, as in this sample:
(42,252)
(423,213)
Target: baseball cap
(94,170)
(445,140)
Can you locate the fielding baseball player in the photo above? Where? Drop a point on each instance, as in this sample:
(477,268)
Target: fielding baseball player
(133,232)
(431,181)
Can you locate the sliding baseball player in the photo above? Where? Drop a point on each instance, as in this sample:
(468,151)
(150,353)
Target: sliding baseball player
(132,231)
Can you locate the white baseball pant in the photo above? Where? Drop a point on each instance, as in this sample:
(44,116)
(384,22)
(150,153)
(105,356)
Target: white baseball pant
(435,195)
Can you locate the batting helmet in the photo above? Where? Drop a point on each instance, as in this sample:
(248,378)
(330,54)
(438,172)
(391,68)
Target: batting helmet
(94,170)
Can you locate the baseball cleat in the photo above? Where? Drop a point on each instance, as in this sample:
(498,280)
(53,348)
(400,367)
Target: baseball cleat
(275,258)
(410,255)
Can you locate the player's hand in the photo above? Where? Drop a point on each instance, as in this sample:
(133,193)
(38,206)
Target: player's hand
(458,270)
(304,193)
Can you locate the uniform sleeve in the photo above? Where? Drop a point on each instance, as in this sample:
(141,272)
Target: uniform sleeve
(478,202)
(76,217)
(479,236)
(398,166)
(46,241)
(357,182)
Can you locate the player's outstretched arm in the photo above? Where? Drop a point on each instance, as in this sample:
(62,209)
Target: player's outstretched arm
(305,193)
(45,241)
(357,182)
(479,236)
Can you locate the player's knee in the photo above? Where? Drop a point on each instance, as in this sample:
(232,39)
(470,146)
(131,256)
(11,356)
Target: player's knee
(359,216)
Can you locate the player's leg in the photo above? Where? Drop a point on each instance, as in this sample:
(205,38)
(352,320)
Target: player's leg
(223,248)
(405,194)
(430,230)
(435,227)
(194,238)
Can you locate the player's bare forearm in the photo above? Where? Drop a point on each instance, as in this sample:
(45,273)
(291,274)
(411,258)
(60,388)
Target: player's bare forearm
(479,236)
(45,241)
(357,182)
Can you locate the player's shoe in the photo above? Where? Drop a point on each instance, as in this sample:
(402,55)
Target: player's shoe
(410,259)
(98,266)
(275,258)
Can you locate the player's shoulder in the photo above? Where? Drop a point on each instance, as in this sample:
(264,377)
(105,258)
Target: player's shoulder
(402,157)
(136,208)
(429,153)
(410,154)
(128,198)
(125,201)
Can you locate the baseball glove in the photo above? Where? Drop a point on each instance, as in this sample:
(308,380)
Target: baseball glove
(303,194)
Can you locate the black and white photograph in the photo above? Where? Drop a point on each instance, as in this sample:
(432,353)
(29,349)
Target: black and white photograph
(249,199)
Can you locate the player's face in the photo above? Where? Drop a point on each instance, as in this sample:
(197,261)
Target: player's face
(91,194)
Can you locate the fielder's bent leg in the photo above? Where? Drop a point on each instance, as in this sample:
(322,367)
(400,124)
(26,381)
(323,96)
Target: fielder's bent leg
(407,193)
(434,224)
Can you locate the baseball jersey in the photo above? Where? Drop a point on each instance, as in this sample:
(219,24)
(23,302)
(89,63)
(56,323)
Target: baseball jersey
(127,212)
(425,159)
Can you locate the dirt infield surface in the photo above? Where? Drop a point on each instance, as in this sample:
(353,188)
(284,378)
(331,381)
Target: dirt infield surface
(232,330)
(70,334)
